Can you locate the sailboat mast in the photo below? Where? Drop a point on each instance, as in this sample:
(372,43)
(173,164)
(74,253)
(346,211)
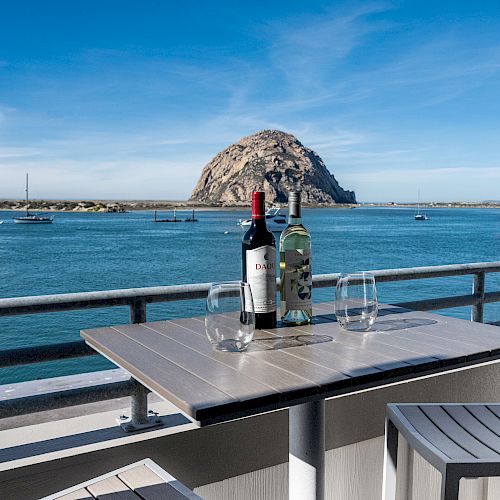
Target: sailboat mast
(418,202)
(27,196)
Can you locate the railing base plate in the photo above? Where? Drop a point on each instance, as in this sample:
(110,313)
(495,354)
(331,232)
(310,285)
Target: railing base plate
(153,420)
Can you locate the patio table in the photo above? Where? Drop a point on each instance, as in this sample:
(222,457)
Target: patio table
(292,367)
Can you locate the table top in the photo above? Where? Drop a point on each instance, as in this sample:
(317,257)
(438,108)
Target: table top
(290,365)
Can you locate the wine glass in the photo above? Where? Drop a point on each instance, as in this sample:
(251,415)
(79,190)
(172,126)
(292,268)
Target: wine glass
(356,304)
(230,316)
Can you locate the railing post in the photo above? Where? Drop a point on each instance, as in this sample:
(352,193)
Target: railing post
(138,311)
(477,313)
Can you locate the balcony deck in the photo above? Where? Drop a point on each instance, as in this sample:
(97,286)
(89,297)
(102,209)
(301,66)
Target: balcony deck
(59,432)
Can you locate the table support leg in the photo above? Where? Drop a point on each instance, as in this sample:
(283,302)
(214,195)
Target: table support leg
(139,406)
(307,451)
(140,418)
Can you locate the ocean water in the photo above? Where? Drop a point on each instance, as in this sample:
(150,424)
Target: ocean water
(87,251)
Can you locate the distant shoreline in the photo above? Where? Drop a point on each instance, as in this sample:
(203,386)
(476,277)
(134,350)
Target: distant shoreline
(119,206)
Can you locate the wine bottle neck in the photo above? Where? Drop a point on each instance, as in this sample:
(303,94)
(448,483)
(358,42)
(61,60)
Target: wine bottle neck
(294,208)
(258,208)
(259,221)
(294,221)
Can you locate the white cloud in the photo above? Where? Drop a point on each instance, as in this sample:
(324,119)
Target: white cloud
(436,184)
(305,48)
(69,179)
(9,152)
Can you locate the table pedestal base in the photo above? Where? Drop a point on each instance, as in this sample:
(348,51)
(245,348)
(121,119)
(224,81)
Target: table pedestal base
(307,451)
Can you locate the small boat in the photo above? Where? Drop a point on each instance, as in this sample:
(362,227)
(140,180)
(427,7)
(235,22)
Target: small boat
(30,218)
(33,219)
(421,217)
(418,215)
(275,220)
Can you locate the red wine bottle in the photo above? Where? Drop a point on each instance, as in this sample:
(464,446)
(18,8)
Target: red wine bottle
(259,264)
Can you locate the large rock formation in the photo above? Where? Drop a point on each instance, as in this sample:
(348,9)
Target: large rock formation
(272,161)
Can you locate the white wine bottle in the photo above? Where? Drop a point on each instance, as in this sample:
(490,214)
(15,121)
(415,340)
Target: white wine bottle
(295,267)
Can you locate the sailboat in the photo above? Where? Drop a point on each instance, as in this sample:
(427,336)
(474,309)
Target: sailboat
(32,218)
(418,215)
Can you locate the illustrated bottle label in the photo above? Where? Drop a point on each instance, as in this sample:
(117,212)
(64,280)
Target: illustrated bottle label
(298,279)
(261,275)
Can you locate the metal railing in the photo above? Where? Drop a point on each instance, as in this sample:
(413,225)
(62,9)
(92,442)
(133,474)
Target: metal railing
(138,298)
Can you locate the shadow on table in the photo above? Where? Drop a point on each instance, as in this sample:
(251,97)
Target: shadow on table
(382,324)
(388,325)
(275,343)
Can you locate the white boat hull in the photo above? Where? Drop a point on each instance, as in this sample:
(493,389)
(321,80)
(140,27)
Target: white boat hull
(272,226)
(32,221)
(275,220)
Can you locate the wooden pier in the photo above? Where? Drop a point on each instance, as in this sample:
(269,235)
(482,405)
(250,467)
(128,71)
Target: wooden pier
(175,219)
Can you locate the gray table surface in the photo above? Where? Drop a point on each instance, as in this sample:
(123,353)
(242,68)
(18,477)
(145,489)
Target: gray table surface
(290,365)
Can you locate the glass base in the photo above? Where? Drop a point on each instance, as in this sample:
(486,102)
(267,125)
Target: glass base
(230,345)
(356,326)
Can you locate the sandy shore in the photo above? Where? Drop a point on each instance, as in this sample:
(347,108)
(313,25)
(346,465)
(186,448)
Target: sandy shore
(104,205)
(121,205)
(132,205)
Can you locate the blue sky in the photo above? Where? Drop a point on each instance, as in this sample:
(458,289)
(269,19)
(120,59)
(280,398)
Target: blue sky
(121,99)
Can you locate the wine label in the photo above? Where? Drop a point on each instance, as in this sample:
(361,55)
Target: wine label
(261,275)
(298,279)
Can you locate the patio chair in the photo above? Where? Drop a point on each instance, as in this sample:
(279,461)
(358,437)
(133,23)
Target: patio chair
(459,440)
(141,480)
